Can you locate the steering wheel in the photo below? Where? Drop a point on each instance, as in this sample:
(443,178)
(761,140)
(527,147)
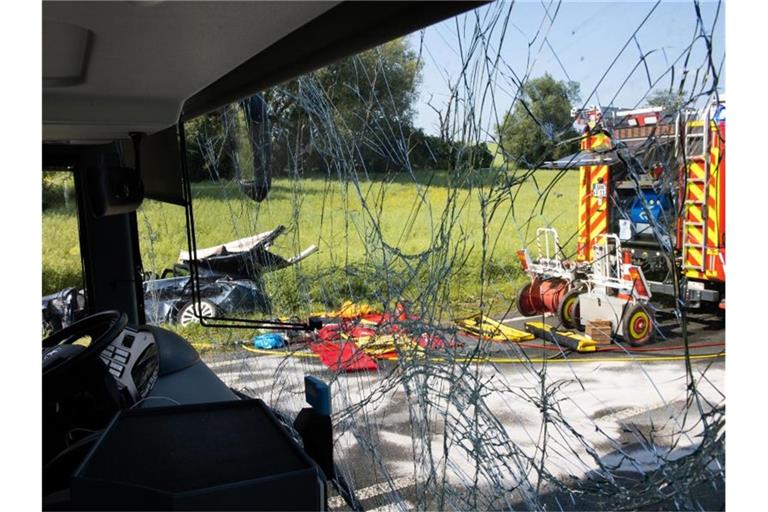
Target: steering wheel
(61,356)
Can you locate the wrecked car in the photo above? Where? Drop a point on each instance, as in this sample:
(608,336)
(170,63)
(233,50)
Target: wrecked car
(170,300)
(229,277)
(61,309)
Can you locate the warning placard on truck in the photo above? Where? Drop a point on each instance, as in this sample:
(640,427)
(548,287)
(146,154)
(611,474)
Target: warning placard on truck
(599,190)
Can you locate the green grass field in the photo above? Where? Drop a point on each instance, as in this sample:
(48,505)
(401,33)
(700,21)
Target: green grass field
(348,225)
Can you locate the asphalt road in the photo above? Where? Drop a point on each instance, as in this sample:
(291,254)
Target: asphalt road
(615,401)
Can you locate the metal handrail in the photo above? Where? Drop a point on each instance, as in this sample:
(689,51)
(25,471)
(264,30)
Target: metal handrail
(550,255)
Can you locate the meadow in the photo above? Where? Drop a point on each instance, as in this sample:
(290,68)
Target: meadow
(352,222)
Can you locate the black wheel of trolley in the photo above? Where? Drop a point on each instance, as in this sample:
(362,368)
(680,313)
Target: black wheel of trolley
(639,325)
(524,304)
(568,311)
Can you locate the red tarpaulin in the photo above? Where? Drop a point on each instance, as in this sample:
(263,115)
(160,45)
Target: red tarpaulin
(344,356)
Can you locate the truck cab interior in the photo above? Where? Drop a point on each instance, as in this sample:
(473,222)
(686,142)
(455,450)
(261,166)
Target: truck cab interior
(119,81)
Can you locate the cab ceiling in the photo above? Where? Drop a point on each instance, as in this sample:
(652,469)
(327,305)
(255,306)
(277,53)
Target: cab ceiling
(110,68)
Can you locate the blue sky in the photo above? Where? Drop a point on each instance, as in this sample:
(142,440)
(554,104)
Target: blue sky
(586,37)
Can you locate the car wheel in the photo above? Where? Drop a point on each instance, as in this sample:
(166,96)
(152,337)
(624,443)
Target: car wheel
(188,314)
(639,325)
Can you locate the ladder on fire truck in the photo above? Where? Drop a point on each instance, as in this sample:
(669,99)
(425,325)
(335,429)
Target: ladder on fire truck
(697,173)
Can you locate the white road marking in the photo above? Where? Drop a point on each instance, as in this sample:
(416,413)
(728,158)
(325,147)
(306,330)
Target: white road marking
(631,412)
(393,507)
(375,490)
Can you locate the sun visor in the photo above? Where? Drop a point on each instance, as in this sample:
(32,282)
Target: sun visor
(65,54)
(161,167)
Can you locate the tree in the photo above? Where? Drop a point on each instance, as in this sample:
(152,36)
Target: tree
(536,128)
(375,87)
(372,96)
(428,152)
(671,101)
(218,144)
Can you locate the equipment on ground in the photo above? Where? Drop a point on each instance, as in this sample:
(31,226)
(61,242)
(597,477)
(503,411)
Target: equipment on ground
(568,339)
(617,292)
(489,329)
(553,277)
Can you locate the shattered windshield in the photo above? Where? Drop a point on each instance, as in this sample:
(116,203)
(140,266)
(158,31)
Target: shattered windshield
(509,229)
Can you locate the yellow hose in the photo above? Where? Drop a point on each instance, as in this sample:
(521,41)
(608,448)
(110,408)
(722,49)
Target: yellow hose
(506,360)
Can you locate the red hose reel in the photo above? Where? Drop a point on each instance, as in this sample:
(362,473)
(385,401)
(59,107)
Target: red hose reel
(542,296)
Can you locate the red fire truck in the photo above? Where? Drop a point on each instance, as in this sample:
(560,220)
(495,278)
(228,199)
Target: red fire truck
(651,198)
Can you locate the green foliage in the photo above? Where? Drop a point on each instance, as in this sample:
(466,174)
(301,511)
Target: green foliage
(370,94)
(222,133)
(375,88)
(61,242)
(58,189)
(480,156)
(61,250)
(573,91)
(533,131)
(427,152)
(671,101)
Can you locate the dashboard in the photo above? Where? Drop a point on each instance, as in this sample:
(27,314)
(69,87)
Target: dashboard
(133,361)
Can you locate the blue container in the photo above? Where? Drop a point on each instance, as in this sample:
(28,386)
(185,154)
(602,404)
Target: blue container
(656,205)
(268,341)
